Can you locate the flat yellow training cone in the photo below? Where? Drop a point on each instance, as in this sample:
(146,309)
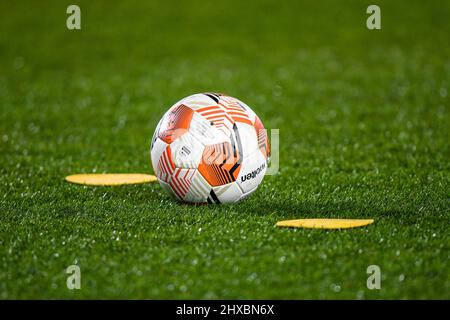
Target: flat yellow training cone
(110,179)
(325,223)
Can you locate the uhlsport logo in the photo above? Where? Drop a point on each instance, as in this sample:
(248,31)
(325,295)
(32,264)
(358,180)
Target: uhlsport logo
(253,174)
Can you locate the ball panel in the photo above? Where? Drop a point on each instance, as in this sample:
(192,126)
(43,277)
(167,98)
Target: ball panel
(205,131)
(252,172)
(158,147)
(187,151)
(217,117)
(213,96)
(165,166)
(220,164)
(175,123)
(227,194)
(198,100)
(263,140)
(155,135)
(248,138)
(247,194)
(250,113)
(234,109)
(180,182)
(199,189)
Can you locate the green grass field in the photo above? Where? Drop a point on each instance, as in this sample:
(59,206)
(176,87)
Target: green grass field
(364,133)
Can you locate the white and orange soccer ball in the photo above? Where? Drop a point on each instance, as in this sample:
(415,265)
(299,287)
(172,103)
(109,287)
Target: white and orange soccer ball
(210,147)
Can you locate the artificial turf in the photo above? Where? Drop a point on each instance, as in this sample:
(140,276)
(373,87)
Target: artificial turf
(364,133)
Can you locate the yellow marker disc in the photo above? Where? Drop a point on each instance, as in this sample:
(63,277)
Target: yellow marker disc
(110,179)
(325,223)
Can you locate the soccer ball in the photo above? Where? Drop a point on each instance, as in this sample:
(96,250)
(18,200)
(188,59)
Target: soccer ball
(211,148)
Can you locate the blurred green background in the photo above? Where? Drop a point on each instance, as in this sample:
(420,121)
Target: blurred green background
(364,129)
